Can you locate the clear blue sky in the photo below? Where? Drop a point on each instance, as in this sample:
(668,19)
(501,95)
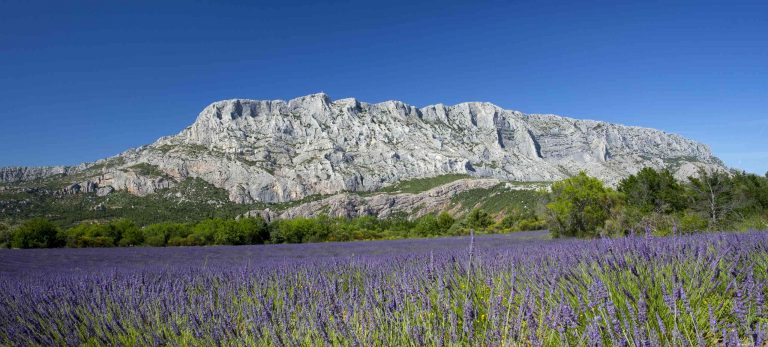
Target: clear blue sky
(81,81)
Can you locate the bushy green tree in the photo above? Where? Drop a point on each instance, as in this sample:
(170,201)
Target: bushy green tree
(36,233)
(653,191)
(445,221)
(478,219)
(516,220)
(300,230)
(750,193)
(431,225)
(256,230)
(126,232)
(158,234)
(579,206)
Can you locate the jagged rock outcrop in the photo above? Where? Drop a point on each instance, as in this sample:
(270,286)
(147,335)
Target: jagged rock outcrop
(18,174)
(279,151)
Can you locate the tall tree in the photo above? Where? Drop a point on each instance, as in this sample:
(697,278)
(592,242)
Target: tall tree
(712,194)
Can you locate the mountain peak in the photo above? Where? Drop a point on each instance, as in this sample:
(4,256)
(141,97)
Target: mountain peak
(277,151)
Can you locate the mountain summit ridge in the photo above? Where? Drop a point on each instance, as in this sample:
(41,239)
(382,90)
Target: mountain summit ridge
(274,151)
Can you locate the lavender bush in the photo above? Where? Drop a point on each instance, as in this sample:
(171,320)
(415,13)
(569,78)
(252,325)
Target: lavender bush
(508,290)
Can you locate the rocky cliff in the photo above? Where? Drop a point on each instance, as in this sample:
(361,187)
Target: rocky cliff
(19,174)
(279,151)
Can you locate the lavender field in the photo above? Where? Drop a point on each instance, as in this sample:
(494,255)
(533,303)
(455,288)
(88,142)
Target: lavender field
(510,290)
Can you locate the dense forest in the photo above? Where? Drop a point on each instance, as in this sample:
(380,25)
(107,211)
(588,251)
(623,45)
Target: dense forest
(649,202)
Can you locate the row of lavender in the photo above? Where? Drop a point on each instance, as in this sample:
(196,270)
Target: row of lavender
(703,290)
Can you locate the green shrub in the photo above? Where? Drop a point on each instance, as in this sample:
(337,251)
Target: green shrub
(299,230)
(122,232)
(515,220)
(427,226)
(752,222)
(478,219)
(689,222)
(527,224)
(158,234)
(579,206)
(126,233)
(255,230)
(5,236)
(36,233)
(624,220)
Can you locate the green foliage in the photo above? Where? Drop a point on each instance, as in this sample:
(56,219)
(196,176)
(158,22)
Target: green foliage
(256,230)
(121,232)
(196,213)
(579,206)
(158,234)
(497,199)
(146,169)
(752,222)
(478,219)
(531,223)
(300,230)
(190,201)
(516,220)
(653,191)
(653,202)
(36,233)
(5,236)
(431,225)
(130,234)
(712,194)
(107,163)
(423,184)
(623,220)
(689,222)
(750,193)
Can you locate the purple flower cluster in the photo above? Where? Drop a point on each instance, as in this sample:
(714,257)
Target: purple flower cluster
(516,289)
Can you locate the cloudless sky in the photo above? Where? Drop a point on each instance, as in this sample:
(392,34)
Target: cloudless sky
(80,81)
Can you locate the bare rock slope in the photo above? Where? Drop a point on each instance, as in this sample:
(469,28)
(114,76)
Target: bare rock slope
(280,151)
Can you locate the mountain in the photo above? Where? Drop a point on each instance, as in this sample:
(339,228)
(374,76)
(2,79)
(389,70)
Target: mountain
(278,152)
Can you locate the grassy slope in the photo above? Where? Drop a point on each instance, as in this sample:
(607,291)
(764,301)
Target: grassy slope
(496,199)
(191,200)
(422,184)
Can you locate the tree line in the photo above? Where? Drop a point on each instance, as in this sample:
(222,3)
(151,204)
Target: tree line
(41,233)
(650,201)
(654,201)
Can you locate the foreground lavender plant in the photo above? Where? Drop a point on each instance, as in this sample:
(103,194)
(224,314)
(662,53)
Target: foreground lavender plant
(511,290)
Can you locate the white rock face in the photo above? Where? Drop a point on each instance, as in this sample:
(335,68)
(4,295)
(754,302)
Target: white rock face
(278,151)
(17,174)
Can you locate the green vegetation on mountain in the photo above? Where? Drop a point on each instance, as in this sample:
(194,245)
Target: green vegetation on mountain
(419,185)
(499,198)
(145,169)
(196,213)
(189,201)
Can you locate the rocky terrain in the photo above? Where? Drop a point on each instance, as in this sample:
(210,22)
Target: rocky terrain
(21,173)
(282,151)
